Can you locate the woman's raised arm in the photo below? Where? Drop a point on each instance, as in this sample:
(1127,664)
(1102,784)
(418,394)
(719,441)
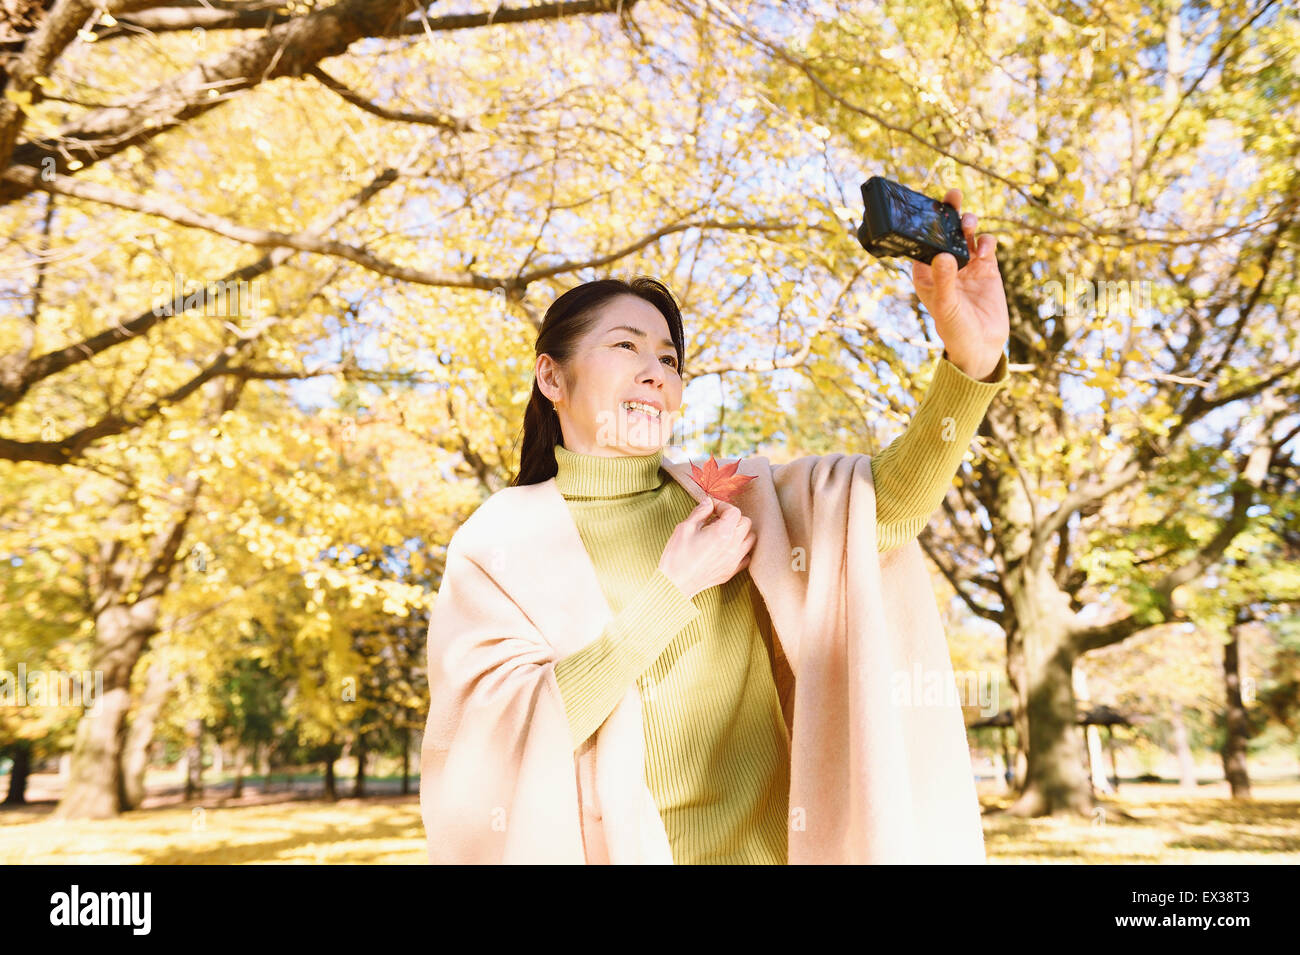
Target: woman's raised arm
(915,471)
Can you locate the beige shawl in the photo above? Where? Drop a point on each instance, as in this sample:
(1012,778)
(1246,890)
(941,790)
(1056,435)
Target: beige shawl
(877,774)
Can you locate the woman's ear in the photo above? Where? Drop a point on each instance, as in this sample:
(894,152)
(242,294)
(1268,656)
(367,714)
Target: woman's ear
(549,379)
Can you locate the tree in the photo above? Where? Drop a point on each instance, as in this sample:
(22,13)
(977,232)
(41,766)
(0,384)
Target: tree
(146,279)
(1097,153)
(129,574)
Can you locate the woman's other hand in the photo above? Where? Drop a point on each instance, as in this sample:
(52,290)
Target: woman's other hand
(702,553)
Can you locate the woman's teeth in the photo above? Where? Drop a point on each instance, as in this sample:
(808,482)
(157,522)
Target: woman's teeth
(638,408)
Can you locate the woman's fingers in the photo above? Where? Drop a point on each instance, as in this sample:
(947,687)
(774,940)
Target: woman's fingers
(726,509)
(969,221)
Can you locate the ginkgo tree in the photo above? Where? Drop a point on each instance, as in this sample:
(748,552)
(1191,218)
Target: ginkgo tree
(1145,200)
(260,217)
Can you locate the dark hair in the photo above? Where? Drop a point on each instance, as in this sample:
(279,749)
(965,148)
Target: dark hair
(568,319)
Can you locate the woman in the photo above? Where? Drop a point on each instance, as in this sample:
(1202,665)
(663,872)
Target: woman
(688,639)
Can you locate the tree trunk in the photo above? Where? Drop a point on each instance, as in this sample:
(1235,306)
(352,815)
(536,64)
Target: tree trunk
(123,627)
(237,790)
(1040,664)
(262,759)
(1092,735)
(139,738)
(96,788)
(1183,749)
(359,784)
(1237,724)
(330,793)
(1008,763)
(20,752)
(194,761)
(126,588)
(406,760)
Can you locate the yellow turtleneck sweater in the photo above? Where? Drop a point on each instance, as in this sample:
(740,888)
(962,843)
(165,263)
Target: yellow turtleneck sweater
(717,750)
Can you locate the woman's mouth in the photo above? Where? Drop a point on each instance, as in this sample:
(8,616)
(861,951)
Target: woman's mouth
(637,408)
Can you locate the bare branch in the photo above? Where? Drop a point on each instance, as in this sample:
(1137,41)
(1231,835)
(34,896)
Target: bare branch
(308,242)
(189,14)
(18,377)
(39,51)
(949,573)
(288,48)
(75,445)
(440,120)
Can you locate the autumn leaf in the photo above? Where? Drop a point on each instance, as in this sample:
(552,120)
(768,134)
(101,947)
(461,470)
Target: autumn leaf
(720,483)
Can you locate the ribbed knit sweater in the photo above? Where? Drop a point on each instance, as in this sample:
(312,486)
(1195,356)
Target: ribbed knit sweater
(717,749)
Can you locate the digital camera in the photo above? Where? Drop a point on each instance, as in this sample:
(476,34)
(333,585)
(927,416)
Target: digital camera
(901,221)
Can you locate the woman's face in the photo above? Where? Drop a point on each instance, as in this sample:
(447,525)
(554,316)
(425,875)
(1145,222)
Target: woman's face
(628,355)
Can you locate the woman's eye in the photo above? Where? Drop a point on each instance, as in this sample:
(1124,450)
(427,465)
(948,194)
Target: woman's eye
(666,357)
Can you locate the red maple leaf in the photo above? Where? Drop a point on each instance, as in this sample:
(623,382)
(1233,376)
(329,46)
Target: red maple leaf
(720,483)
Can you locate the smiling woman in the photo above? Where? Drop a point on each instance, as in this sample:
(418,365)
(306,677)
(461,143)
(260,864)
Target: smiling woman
(605,348)
(679,684)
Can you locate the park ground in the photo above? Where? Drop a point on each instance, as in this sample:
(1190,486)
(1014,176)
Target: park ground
(1148,823)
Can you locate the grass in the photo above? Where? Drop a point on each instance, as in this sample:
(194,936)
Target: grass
(1151,824)
(348,831)
(1155,824)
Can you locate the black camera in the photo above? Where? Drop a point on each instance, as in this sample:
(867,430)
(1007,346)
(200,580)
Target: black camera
(901,221)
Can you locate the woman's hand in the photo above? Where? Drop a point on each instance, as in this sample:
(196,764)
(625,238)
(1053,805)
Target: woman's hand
(700,554)
(969,305)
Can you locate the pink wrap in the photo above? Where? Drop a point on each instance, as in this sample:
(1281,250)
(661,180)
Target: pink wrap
(876,776)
